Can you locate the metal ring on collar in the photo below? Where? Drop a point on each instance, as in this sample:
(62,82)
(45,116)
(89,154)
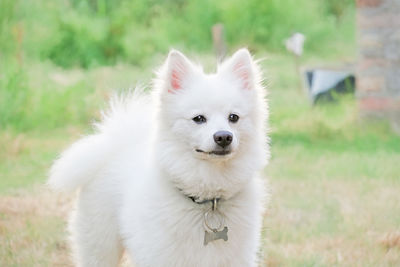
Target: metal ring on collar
(221,220)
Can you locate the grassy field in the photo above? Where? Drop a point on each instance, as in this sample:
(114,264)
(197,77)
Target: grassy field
(334,179)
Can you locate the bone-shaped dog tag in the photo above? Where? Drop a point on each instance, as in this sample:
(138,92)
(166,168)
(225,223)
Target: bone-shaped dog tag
(215,235)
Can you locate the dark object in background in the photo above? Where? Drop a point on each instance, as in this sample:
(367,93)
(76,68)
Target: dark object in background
(326,85)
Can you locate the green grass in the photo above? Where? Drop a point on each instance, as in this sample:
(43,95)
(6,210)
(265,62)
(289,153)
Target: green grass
(45,97)
(25,159)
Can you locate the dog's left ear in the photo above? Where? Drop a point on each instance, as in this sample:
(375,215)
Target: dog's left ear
(242,67)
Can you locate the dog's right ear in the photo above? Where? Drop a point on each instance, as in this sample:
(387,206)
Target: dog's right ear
(178,70)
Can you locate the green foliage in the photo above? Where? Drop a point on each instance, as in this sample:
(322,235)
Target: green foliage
(89,33)
(7,10)
(338,8)
(81,42)
(266,24)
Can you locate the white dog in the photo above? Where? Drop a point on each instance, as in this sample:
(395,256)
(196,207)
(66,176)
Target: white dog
(173,176)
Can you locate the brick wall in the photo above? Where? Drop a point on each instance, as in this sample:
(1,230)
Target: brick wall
(378,68)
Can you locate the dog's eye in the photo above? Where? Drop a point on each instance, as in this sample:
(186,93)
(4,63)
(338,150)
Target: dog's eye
(199,119)
(233,118)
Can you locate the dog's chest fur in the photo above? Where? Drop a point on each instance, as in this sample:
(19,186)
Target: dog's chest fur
(166,229)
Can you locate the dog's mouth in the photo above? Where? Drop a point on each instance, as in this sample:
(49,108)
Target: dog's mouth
(215,152)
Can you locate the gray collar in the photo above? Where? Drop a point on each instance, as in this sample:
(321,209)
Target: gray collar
(198,200)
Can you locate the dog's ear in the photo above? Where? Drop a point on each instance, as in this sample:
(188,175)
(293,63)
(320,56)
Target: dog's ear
(178,69)
(241,66)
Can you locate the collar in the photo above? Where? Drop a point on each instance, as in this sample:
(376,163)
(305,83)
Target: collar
(197,199)
(214,201)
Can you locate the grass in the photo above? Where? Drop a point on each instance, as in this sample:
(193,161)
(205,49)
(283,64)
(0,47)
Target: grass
(32,228)
(332,223)
(334,178)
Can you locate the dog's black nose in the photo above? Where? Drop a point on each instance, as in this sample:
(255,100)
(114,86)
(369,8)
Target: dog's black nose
(223,138)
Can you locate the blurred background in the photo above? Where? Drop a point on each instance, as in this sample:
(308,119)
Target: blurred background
(334,172)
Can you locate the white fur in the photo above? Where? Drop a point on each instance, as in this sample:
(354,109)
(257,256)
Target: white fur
(136,172)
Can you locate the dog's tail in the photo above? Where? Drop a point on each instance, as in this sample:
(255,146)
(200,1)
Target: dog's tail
(87,158)
(79,163)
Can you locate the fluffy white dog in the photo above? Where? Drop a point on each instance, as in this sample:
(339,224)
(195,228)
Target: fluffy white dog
(173,176)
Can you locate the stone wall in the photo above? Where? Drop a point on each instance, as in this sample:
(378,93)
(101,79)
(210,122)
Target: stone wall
(378,68)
